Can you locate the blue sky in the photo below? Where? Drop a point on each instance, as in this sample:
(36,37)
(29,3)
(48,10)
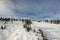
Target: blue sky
(34,9)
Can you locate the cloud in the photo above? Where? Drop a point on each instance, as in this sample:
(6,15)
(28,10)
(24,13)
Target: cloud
(5,10)
(34,9)
(39,9)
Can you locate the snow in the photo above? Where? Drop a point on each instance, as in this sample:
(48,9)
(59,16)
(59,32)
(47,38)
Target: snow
(15,31)
(52,31)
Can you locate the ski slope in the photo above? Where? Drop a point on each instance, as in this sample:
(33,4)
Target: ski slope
(15,31)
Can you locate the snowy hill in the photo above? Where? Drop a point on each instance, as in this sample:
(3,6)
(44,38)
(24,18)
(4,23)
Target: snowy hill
(23,29)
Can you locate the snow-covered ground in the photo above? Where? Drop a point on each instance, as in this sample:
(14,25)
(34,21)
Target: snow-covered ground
(15,31)
(52,31)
